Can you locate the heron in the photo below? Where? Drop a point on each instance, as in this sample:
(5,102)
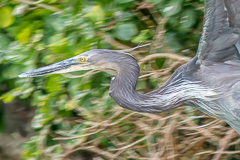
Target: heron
(210,81)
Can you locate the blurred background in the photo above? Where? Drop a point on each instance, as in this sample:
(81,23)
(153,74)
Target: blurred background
(64,117)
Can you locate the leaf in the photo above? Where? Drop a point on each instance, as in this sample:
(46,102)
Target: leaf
(19,9)
(123,1)
(172,8)
(125,16)
(58,43)
(96,14)
(4,41)
(173,41)
(52,84)
(188,19)
(57,40)
(30,150)
(160,62)
(126,31)
(144,35)
(6,18)
(9,96)
(24,35)
(71,104)
(58,22)
(154,1)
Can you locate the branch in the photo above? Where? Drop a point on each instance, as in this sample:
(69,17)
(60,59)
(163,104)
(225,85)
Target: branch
(42,5)
(79,136)
(94,149)
(165,55)
(224,144)
(112,41)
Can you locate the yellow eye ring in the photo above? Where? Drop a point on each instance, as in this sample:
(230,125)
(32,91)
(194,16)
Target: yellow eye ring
(82,59)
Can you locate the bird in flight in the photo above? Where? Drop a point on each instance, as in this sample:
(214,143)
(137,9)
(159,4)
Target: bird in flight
(210,80)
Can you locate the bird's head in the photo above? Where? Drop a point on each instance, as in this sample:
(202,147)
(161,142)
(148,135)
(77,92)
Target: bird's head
(97,59)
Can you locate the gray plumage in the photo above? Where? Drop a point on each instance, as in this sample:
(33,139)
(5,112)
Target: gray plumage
(210,81)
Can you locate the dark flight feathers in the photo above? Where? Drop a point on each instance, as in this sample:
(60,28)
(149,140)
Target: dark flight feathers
(220,39)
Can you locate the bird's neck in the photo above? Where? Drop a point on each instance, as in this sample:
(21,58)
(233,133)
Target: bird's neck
(123,91)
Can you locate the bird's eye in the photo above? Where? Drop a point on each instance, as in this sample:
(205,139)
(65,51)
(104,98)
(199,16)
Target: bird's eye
(82,59)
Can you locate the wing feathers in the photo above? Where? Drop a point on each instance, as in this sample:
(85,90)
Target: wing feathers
(224,41)
(221,29)
(233,7)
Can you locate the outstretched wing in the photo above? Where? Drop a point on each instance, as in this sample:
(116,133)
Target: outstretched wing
(220,39)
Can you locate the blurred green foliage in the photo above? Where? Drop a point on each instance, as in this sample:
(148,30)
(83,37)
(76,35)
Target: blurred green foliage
(36,33)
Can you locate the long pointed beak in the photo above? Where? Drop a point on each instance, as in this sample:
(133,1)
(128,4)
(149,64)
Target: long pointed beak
(68,65)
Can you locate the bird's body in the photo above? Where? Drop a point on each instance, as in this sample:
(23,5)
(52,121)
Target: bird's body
(210,81)
(221,94)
